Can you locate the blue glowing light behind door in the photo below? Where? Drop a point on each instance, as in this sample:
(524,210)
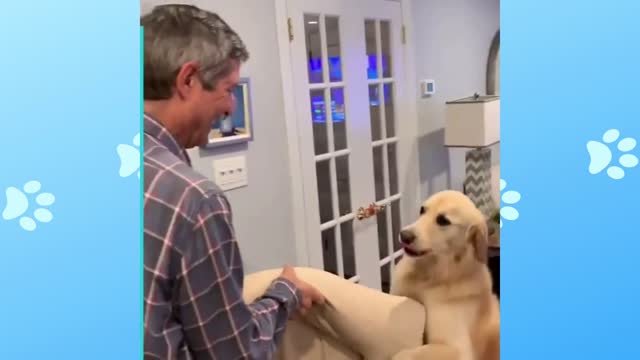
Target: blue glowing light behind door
(335,74)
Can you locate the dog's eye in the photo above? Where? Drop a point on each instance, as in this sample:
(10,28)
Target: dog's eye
(422,210)
(442,220)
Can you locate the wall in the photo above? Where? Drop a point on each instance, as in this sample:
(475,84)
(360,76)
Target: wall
(452,44)
(452,40)
(262,211)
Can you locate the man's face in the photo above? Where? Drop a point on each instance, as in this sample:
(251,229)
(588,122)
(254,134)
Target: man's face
(209,106)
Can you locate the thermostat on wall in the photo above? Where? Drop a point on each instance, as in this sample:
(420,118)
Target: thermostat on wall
(427,87)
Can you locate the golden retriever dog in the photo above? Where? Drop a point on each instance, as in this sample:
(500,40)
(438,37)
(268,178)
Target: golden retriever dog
(444,268)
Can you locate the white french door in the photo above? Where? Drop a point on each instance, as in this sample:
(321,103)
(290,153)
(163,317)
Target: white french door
(346,58)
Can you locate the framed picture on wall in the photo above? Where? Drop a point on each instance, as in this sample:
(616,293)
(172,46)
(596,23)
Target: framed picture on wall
(235,128)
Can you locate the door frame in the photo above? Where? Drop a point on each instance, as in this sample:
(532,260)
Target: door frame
(407,152)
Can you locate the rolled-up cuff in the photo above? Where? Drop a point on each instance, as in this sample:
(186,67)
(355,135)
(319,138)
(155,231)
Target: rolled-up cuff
(285,292)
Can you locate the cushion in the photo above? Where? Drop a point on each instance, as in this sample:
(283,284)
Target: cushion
(375,324)
(304,342)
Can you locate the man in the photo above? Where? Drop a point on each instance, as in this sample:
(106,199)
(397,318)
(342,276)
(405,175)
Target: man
(193,277)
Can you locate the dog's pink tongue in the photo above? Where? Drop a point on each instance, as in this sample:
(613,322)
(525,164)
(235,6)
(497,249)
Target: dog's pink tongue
(414,253)
(410,251)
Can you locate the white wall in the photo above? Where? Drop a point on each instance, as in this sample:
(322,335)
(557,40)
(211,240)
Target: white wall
(452,45)
(262,211)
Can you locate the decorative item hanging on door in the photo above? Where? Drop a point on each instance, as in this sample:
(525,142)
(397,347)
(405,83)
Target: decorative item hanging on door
(371,210)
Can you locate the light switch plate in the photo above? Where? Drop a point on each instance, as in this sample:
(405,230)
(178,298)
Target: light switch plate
(427,87)
(230,173)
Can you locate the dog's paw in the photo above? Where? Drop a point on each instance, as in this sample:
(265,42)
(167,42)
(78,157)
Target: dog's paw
(410,354)
(429,351)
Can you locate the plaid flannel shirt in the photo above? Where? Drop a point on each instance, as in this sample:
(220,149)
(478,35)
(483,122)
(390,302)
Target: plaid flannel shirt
(193,277)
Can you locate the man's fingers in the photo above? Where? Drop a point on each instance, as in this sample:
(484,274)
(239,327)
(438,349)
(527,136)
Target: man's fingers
(287,270)
(306,302)
(299,315)
(317,296)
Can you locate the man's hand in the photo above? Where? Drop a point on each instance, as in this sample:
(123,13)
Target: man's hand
(310,295)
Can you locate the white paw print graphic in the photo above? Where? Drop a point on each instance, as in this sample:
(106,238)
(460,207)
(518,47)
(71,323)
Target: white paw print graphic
(129,157)
(18,203)
(510,198)
(601,155)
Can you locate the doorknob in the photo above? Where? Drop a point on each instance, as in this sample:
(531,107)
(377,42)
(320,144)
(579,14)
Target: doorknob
(371,210)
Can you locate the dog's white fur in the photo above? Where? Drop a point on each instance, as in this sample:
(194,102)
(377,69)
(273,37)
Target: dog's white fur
(451,280)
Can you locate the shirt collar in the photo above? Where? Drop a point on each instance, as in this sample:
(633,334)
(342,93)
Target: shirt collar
(156,130)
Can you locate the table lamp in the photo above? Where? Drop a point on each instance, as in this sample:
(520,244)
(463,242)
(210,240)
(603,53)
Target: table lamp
(474,123)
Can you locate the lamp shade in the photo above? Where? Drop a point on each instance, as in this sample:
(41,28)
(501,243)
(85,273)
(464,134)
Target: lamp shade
(472,122)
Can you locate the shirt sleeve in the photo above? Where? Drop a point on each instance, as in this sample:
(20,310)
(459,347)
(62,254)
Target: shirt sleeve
(216,321)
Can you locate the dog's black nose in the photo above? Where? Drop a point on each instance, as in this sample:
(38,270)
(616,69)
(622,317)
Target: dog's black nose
(407,236)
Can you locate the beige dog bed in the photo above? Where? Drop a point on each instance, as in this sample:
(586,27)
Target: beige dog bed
(360,322)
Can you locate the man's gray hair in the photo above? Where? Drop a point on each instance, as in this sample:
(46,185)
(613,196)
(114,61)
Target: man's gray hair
(177,34)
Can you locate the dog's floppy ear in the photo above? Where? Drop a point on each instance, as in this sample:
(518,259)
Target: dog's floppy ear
(478,236)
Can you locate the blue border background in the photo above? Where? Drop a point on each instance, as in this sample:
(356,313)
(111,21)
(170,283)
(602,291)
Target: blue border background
(70,95)
(570,286)
(70,75)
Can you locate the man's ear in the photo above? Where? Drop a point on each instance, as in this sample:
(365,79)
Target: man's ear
(478,236)
(185,78)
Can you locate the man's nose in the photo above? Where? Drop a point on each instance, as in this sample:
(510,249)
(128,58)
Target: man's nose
(407,237)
